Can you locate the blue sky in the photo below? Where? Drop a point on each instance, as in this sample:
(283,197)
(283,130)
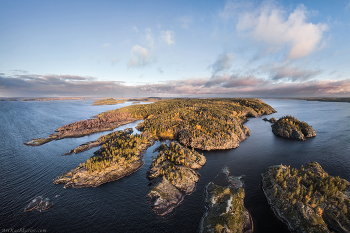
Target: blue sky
(178,48)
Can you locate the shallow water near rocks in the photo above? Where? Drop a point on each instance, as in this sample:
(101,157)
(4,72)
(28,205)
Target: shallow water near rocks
(121,206)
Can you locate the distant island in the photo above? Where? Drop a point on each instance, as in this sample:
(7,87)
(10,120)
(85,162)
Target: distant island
(54,99)
(112,101)
(323,99)
(308,199)
(225,208)
(291,127)
(109,101)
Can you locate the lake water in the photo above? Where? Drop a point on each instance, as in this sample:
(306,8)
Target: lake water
(120,206)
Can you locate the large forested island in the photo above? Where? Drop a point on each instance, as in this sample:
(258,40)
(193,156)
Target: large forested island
(308,199)
(205,124)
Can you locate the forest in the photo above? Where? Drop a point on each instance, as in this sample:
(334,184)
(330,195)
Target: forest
(109,101)
(119,148)
(291,127)
(200,123)
(310,195)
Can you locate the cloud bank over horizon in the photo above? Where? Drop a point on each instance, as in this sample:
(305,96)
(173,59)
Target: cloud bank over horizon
(222,48)
(27,85)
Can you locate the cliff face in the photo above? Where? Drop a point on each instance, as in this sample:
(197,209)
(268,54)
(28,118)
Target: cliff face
(308,199)
(290,127)
(225,208)
(172,176)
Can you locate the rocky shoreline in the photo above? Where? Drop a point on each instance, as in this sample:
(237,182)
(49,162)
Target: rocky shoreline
(85,127)
(107,164)
(172,176)
(225,207)
(308,199)
(80,178)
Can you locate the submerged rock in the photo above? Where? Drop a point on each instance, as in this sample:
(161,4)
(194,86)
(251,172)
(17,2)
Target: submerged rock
(39,203)
(271,120)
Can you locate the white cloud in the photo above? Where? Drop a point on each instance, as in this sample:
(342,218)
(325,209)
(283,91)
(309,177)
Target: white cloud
(106,45)
(168,37)
(139,57)
(348,6)
(269,24)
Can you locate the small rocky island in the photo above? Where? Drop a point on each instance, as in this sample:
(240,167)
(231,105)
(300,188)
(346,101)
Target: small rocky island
(172,176)
(225,208)
(308,199)
(291,127)
(120,155)
(39,203)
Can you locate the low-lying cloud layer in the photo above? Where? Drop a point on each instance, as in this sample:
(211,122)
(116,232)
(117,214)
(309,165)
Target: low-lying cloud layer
(224,85)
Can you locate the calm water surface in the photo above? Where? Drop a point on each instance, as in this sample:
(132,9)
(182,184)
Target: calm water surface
(120,206)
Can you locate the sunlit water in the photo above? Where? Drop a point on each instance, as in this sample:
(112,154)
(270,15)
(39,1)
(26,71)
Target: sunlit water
(120,206)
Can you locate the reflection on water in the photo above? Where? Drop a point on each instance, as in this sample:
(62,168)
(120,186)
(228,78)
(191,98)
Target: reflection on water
(120,206)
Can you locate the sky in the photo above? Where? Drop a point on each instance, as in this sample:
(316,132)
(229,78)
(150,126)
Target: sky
(245,48)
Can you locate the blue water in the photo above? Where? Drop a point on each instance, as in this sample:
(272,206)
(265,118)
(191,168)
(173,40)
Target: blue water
(120,206)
